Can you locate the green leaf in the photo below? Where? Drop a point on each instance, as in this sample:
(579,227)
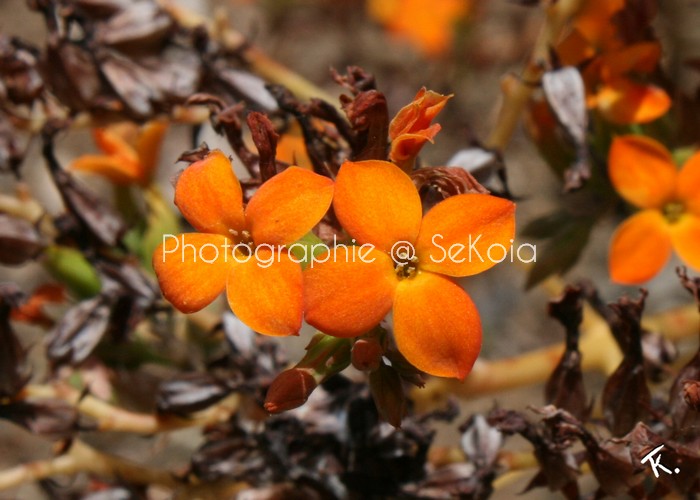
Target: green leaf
(562,251)
(546,226)
(326,356)
(71,268)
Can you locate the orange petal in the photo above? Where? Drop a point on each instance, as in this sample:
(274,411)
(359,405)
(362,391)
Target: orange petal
(574,49)
(192,268)
(642,57)
(117,170)
(209,195)
(688,189)
(642,171)
(407,146)
(418,114)
(148,144)
(640,248)
(112,143)
(346,294)
(265,291)
(624,102)
(287,206)
(594,20)
(685,234)
(436,325)
(377,203)
(428,24)
(466,234)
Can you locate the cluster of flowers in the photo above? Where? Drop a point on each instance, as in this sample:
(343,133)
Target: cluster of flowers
(436,325)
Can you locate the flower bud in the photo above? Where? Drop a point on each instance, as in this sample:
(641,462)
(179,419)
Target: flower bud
(366,354)
(289,390)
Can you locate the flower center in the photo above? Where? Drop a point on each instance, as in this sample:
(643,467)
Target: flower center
(243,240)
(405,261)
(673,211)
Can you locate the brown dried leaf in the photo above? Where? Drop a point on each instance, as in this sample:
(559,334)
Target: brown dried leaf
(387,392)
(79,331)
(265,140)
(96,217)
(20,242)
(368,115)
(438,183)
(11,152)
(72,74)
(565,388)
(140,25)
(14,372)
(20,81)
(52,417)
(566,94)
(190,393)
(626,398)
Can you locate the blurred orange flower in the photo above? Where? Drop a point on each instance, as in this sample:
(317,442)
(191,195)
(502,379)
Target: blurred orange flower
(643,173)
(241,249)
(411,127)
(406,266)
(291,148)
(611,64)
(130,153)
(428,24)
(33,312)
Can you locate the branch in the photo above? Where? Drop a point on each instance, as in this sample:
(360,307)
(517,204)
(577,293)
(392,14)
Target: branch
(83,458)
(115,419)
(517,91)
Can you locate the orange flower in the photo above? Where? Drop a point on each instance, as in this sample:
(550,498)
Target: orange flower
(130,152)
(405,265)
(33,312)
(643,173)
(411,127)
(428,24)
(594,40)
(241,249)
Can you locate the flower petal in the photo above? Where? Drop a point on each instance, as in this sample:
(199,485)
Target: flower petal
(377,203)
(407,146)
(593,20)
(642,171)
(346,294)
(411,129)
(641,57)
(287,206)
(112,143)
(640,248)
(115,169)
(623,102)
(466,234)
(209,195)
(192,268)
(436,325)
(148,144)
(265,292)
(688,189)
(685,234)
